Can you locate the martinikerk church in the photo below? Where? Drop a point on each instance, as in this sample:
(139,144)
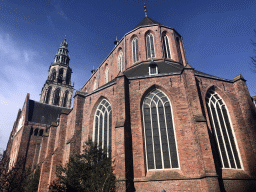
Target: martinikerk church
(167,126)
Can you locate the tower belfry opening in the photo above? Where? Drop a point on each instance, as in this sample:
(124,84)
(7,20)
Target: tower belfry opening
(57,89)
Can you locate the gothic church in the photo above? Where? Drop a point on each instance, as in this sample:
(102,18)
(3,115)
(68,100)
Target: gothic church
(168,127)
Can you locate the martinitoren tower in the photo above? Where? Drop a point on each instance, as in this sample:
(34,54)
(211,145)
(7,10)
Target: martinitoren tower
(57,89)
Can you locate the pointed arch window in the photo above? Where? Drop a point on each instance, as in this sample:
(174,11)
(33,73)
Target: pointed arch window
(60,77)
(56,99)
(222,131)
(120,61)
(150,46)
(68,77)
(166,46)
(106,73)
(53,75)
(65,99)
(95,84)
(178,49)
(135,52)
(159,133)
(102,132)
(47,99)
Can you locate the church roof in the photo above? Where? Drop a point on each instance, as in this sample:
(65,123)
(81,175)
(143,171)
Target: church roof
(147,21)
(164,67)
(43,113)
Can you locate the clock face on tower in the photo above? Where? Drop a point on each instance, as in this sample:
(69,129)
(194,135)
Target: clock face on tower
(20,124)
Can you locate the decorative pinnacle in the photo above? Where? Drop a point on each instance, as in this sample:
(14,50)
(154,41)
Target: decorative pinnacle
(64,43)
(145,10)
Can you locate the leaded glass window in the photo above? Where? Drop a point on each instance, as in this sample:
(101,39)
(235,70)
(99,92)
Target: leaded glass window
(223,131)
(120,61)
(178,49)
(106,73)
(135,52)
(102,131)
(166,46)
(159,133)
(150,46)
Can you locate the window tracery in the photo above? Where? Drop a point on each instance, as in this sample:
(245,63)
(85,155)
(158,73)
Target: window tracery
(222,131)
(159,133)
(166,46)
(120,61)
(102,132)
(150,46)
(135,52)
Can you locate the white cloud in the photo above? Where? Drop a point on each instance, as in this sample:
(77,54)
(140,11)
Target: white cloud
(20,73)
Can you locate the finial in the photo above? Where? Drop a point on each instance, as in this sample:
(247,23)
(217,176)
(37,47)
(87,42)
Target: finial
(65,38)
(116,41)
(145,10)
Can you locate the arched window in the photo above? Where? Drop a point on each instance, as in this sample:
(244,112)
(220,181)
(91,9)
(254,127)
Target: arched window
(102,131)
(166,46)
(48,95)
(150,46)
(159,133)
(68,77)
(95,84)
(222,131)
(53,75)
(56,97)
(135,52)
(120,61)
(65,99)
(106,73)
(178,49)
(60,75)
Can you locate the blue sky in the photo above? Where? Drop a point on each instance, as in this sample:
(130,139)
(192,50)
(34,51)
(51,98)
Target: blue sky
(216,36)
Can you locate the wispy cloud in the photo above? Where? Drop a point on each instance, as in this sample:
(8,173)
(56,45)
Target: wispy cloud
(20,73)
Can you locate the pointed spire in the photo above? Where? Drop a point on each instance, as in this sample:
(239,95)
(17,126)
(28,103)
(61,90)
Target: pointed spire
(145,10)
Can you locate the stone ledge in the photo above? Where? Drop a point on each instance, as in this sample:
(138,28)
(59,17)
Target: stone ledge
(239,77)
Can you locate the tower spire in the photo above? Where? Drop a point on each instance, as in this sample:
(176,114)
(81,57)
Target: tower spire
(57,89)
(145,10)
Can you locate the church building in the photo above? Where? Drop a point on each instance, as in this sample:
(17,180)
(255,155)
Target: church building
(167,126)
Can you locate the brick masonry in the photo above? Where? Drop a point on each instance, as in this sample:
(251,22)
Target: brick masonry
(186,91)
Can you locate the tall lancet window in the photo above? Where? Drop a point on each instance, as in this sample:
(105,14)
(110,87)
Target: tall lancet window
(60,77)
(135,52)
(106,73)
(95,84)
(178,49)
(150,46)
(222,131)
(166,46)
(102,131)
(159,133)
(120,61)
(56,98)
(53,75)
(65,99)
(47,99)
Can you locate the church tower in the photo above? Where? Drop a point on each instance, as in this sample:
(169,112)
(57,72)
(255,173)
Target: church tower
(57,89)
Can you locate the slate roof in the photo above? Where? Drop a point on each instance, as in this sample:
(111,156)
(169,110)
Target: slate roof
(164,67)
(43,113)
(146,21)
